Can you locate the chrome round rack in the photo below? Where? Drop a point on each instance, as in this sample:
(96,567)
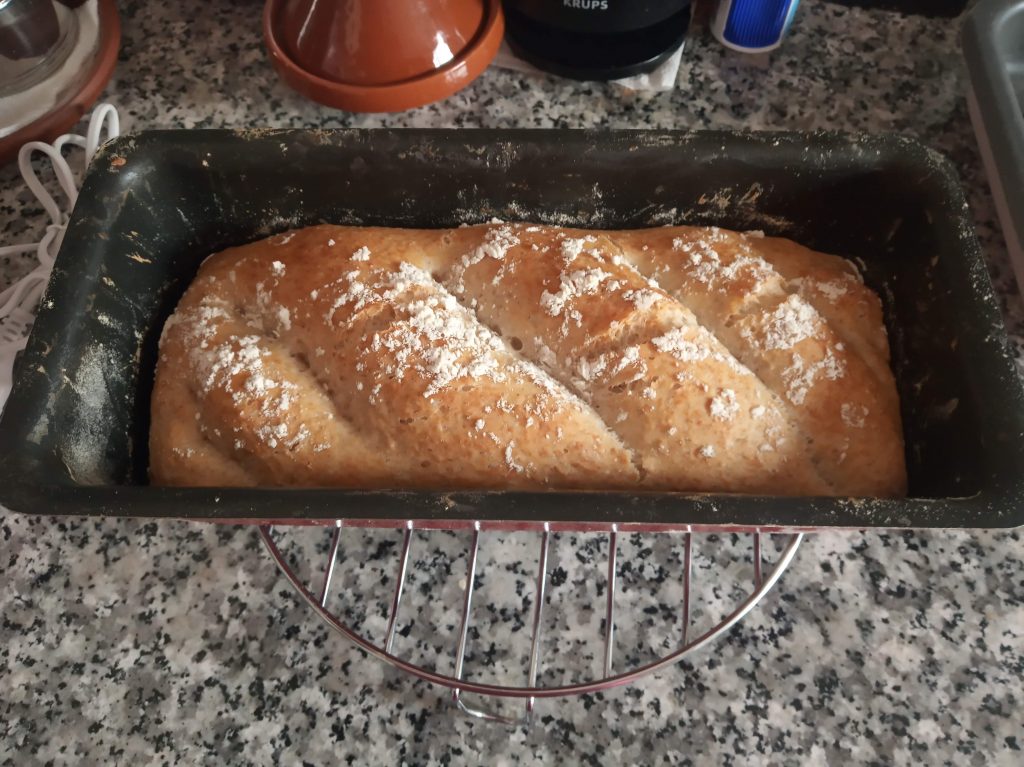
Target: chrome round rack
(760,582)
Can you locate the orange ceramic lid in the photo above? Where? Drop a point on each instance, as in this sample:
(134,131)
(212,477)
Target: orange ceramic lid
(381,55)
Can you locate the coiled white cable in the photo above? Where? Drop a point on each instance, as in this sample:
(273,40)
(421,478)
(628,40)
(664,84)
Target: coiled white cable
(18,303)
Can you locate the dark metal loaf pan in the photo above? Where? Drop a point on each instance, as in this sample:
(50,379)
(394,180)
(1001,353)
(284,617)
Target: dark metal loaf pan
(73,439)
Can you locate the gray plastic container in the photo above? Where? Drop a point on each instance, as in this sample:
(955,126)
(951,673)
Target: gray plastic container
(993,43)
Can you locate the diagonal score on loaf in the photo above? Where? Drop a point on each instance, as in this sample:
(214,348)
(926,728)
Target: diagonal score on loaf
(748,300)
(593,323)
(834,287)
(174,405)
(431,377)
(828,390)
(251,392)
(538,373)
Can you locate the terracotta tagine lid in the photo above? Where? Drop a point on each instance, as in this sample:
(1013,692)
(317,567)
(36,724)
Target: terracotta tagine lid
(381,55)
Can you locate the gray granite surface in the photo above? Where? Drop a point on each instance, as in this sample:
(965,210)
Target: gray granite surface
(134,642)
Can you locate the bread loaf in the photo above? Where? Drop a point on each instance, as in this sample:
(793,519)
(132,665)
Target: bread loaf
(530,357)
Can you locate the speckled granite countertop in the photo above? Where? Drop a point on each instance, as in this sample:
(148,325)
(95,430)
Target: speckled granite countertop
(174,643)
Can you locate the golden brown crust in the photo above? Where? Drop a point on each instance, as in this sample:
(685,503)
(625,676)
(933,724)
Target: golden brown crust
(523,356)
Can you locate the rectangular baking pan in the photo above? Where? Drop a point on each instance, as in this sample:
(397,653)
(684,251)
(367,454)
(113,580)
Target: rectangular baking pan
(993,44)
(73,439)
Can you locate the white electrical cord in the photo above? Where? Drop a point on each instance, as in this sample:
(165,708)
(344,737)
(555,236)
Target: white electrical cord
(18,303)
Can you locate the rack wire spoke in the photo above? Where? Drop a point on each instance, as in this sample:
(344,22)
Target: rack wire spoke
(396,600)
(763,582)
(535,643)
(329,570)
(609,619)
(757,560)
(460,653)
(538,611)
(687,583)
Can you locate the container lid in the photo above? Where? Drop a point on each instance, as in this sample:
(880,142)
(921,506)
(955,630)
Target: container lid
(381,56)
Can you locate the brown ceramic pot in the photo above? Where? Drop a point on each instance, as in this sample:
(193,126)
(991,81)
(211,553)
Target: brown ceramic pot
(69,110)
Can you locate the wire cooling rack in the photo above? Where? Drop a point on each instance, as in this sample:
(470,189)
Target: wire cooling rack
(322,584)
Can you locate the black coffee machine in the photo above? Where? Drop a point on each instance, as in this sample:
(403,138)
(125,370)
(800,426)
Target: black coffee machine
(596,39)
